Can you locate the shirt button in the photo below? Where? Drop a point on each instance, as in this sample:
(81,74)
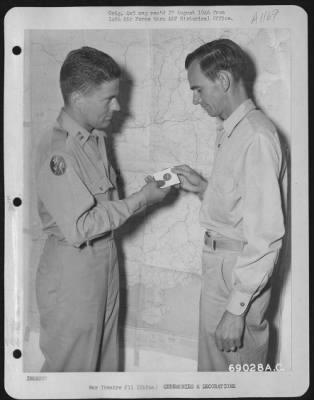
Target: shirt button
(101,188)
(242,304)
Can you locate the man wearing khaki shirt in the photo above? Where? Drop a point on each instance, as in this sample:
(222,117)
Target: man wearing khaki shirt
(241,211)
(77,282)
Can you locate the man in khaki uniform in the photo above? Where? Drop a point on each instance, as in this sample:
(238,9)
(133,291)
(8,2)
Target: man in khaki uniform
(77,283)
(241,212)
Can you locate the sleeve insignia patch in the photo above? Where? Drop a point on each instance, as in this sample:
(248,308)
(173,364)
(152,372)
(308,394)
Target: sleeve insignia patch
(57,165)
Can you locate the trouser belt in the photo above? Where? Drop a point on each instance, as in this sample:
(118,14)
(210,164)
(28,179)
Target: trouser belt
(98,240)
(92,242)
(222,243)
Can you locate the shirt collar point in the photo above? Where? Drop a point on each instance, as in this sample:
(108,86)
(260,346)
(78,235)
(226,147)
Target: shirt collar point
(237,115)
(72,127)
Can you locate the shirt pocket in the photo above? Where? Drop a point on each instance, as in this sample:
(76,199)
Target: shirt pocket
(101,186)
(226,198)
(225,183)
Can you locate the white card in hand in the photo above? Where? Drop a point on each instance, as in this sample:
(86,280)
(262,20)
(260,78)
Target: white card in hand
(168,176)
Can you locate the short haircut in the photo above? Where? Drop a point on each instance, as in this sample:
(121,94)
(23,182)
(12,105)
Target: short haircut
(220,54)
(84,69)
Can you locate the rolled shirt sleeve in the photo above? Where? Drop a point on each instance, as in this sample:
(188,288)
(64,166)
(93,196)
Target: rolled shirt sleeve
(263,224)
(73,207)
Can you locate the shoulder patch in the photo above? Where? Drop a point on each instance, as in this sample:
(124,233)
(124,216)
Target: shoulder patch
(57,165)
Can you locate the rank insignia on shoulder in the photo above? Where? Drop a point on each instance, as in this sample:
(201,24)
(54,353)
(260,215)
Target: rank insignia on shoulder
(57,165)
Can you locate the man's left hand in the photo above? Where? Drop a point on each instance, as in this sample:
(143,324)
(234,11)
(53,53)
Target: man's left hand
(229,332)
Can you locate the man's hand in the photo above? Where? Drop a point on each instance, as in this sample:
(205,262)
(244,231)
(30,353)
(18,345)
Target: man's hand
(152,190)
(191,181)
(229,332)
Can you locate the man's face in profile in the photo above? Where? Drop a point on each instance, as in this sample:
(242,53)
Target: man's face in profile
(207,93)
(98,105)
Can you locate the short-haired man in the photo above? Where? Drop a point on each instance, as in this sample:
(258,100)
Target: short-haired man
(77,282)
(241,211)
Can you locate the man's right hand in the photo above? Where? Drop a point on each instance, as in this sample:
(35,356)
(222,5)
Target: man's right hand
(153,192)
(191,181)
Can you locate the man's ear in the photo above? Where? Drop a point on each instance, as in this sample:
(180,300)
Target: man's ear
(224,78)
(76,98)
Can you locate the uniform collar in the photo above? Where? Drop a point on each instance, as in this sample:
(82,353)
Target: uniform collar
(238,114)
(72,127)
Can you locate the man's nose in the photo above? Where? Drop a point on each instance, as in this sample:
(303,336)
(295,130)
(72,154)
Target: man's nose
(196,98)
(115,106)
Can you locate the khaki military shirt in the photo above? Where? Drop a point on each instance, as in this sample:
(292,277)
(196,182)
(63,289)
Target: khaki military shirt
(77,196)
(243,198)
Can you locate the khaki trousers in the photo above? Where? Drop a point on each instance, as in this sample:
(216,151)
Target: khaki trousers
(78,300)
(217,267)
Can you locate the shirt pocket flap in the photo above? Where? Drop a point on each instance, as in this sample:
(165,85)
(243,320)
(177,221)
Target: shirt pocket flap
(113,175)
(101,186)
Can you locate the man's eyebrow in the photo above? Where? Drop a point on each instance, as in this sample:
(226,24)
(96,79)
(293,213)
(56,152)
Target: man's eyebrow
(194,87)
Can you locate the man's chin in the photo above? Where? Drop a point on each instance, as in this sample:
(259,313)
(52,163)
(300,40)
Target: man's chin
(104,125)
(210,113)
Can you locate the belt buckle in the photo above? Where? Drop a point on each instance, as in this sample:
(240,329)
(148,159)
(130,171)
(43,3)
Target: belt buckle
(211,242)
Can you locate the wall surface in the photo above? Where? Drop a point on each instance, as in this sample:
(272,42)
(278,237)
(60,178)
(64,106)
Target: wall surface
(158,127)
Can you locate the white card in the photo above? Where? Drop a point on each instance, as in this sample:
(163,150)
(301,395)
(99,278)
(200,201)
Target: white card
(168,176)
